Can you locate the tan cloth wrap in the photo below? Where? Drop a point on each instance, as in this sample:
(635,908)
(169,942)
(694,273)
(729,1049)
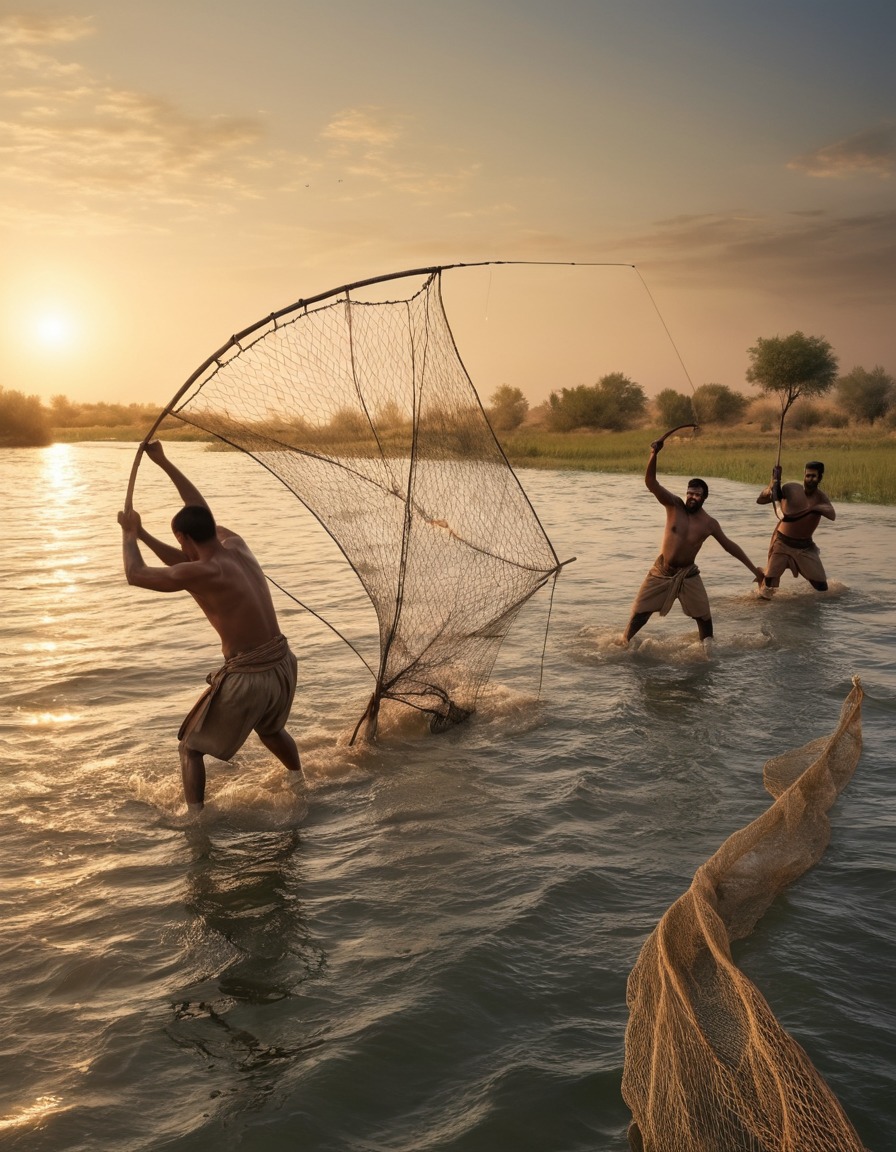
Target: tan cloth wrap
(666,583)
(252,690)
(803,559)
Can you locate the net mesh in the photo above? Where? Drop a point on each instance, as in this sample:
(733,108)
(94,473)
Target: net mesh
(708,1068)
(366,413)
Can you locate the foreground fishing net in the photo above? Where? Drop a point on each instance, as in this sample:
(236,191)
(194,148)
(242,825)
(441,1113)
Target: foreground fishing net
(365,411)
(708,1068)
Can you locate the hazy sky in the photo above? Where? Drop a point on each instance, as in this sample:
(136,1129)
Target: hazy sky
(173,171)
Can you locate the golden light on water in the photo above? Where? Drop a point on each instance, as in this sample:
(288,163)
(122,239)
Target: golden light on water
(31,1113)
(52,718)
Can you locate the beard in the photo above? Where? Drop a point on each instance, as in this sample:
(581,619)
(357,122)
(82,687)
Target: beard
(692,506)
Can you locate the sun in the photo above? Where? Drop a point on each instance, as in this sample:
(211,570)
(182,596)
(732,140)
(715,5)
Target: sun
(53,330)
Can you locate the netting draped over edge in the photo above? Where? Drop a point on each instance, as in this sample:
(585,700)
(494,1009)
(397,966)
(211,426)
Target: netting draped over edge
(366,413)
(708,1068)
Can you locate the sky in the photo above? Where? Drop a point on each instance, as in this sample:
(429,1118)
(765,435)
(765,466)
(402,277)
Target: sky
(715,171)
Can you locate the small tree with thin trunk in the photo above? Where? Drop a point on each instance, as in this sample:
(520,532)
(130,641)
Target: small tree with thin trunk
(792,366)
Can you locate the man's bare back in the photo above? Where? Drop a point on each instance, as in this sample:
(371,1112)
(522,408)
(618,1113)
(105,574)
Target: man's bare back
(219,571)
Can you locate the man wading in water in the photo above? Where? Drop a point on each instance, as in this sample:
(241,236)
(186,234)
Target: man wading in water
(792,546)
(255,687)
(674,575)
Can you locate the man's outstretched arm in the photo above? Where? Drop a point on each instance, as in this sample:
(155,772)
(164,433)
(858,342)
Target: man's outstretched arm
(186,489)
(737,552)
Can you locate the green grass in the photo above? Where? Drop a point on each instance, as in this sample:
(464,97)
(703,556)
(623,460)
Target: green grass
(860,464)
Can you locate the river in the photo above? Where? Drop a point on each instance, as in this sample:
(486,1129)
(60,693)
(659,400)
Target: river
(427,949)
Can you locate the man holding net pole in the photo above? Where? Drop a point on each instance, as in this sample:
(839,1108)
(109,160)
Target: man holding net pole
(792,546)
(254,688)
(674,575)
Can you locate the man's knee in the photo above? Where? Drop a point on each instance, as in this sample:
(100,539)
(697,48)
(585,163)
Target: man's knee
(704,627)
(819,585)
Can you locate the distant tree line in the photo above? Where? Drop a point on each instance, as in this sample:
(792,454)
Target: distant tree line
(783,367)
(25,422)
(787,368)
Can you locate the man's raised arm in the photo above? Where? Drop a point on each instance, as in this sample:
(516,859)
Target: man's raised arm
(662,494)
(186,489)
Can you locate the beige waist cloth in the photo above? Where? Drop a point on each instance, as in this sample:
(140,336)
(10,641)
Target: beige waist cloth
(666,583)
(251,690)
(801,557)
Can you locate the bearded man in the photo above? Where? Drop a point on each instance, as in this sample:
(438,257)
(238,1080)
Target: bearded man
(674,575)
(792,546)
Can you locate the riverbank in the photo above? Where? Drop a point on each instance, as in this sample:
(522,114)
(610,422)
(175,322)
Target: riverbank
(860,464)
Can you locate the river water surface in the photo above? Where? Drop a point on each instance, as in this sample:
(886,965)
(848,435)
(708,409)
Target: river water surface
(428,949)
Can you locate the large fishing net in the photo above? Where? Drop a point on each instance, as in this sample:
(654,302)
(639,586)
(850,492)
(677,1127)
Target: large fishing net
(364,410)
(708,1068)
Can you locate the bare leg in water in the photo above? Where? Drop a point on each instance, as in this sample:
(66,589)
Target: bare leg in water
(192,765)
(639,619)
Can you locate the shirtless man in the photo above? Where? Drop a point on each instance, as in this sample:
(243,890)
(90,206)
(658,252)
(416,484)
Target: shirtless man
(255,686)
(792,546)
(674,575)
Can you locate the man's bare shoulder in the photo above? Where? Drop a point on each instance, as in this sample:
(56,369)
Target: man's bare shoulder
(712,526)
(229,539)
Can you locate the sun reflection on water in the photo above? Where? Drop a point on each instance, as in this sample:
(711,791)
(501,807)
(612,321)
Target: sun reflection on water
(51,718)
(32,1113)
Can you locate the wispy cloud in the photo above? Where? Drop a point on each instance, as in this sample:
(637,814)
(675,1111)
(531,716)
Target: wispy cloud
(379,150)
(64,134)
(73,144)
(838,256)
(33,28)
(870,152)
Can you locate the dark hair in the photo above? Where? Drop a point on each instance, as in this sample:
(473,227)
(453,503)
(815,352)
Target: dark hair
(195,521)
(815,466)
(698,483)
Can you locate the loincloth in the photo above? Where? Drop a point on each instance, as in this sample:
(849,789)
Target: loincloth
(666,583)
(801,557)
(250,691)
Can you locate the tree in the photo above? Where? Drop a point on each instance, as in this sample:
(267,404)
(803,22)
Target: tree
(23,421)
(718,404)
(674,408)
(614,403)
(792,366)
(625,395)
(507,409)
(866,395)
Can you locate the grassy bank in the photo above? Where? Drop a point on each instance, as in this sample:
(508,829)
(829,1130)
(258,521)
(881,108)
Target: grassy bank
(859,464)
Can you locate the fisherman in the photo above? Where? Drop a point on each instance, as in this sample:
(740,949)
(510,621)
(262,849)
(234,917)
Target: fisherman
(674,575)
(792,546)
(254,688)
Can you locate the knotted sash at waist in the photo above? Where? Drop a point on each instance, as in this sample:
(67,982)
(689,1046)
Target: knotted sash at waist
(676,575)
(260,659)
